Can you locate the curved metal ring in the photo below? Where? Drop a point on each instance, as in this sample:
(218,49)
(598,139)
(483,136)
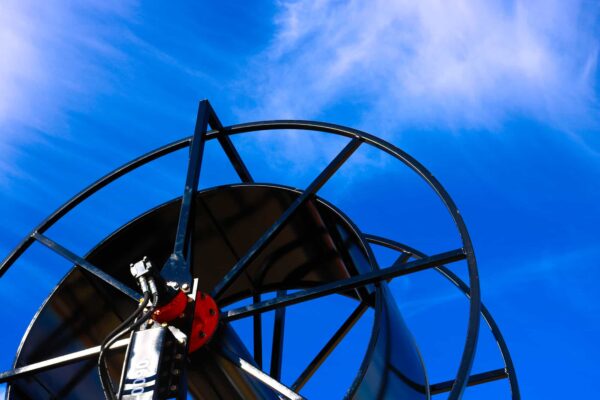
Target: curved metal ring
(475,298)
(462,286)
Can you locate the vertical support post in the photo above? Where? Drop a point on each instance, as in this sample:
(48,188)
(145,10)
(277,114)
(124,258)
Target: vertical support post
(278,331)
(257,325)
(177,268)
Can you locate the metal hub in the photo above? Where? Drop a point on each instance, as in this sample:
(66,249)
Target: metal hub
(205,319)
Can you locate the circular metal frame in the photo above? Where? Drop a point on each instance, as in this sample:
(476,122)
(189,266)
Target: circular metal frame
(377,305)
(475,307)
(509,367)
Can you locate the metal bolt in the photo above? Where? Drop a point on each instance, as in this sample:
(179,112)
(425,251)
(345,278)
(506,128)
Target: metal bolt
(182,315)
(202,334)
(164,324)
(212,311)
(150,321)
(185,287)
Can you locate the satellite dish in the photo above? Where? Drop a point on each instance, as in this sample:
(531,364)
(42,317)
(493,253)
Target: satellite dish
(148,313)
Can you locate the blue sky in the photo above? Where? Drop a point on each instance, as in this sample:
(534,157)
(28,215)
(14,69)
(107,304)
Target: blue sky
(499,99)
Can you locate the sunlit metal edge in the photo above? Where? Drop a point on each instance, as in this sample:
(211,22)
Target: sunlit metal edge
(56,362)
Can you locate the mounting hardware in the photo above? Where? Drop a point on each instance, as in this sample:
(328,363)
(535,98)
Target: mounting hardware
(140,268)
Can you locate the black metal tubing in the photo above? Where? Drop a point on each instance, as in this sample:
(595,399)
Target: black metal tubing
(228,147)
(331,344)
(509,367)
(257,334)
(270,234)
(475,299)
(75,259)
(344,285)
(475,379)
(277,345)
(177,268)
(192,178)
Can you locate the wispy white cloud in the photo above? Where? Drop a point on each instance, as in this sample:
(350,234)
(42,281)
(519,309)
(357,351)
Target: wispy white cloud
(60,60)
(437,63)
(19,61)
(51,55)
(557,268)
(55,58)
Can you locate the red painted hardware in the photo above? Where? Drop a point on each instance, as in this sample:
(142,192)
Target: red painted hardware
(206,320)
(171,310)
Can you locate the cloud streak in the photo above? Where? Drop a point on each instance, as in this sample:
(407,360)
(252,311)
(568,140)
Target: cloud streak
(52,54)
(452,64)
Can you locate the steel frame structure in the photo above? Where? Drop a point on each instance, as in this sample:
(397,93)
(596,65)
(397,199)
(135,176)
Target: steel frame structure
(177,268)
